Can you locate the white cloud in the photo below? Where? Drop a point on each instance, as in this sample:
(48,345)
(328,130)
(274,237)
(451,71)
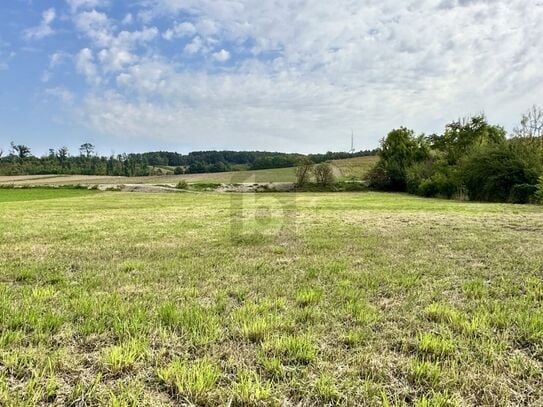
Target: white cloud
(95,25)
(180,30)
(44,29)
(128,19)
(302,74)
(114,50)
(57,58)
(75,5)
(62,94)
(85,65)
(221,56)
(196,45)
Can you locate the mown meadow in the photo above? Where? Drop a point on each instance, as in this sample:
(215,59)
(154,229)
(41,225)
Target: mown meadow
(132,299)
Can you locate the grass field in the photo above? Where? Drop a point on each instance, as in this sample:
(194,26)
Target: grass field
(129,299)
(272,175)
(344,169)
(354,167)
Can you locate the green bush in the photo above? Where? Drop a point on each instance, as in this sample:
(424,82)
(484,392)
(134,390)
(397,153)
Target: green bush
(446,184)
(539,194)
(351,186)
(324,175)
(432,179)
(417,174)
(523,193)
(182,184)
(492,173)
(428,188)
(378,178)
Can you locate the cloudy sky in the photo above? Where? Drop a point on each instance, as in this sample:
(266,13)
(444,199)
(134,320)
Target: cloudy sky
(285,75)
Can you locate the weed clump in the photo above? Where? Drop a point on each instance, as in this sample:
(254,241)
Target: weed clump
(434,345)
(194,381)
(250,390)
(124,356)
(292,349)
(308,296)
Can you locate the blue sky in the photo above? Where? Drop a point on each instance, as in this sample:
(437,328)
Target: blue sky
(286,75)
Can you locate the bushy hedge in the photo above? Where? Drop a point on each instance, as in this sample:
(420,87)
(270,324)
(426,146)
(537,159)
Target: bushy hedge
(471,159)
(498,174)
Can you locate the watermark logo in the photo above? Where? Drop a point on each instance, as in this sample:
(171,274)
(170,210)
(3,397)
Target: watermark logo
(265,216)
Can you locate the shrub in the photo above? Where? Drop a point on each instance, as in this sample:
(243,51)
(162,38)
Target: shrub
(429,178)
(378,178)
(178,170)
(324,175)
(352,186)
(182,184)
(523,193)
(439,185)
(539,192)
(417,174)
(491,173)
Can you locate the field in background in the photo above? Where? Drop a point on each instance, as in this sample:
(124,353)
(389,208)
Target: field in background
(344,169)
(110,298)
(355,167)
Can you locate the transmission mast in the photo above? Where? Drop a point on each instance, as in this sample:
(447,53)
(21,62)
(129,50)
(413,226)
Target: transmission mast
(352,150)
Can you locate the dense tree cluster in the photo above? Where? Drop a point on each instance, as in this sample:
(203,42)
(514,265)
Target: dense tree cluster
(20,161)
(471,159)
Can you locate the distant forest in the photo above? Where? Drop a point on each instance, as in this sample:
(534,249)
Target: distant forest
(19,160)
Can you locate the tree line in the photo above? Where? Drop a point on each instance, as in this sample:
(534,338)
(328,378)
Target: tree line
(472,159)
(19,160)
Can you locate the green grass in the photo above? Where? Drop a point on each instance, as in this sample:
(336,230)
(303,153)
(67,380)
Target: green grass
(194,381)
(33,194)
(128,299)
(354,168)
(232,177)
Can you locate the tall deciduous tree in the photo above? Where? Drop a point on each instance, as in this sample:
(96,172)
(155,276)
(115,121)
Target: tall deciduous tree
(20,150)
(86,149)
(463,135)
(399,150)
(303,171)
(531,124)
(324,175)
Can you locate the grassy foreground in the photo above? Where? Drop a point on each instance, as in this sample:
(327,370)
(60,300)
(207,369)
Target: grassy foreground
(128,299)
